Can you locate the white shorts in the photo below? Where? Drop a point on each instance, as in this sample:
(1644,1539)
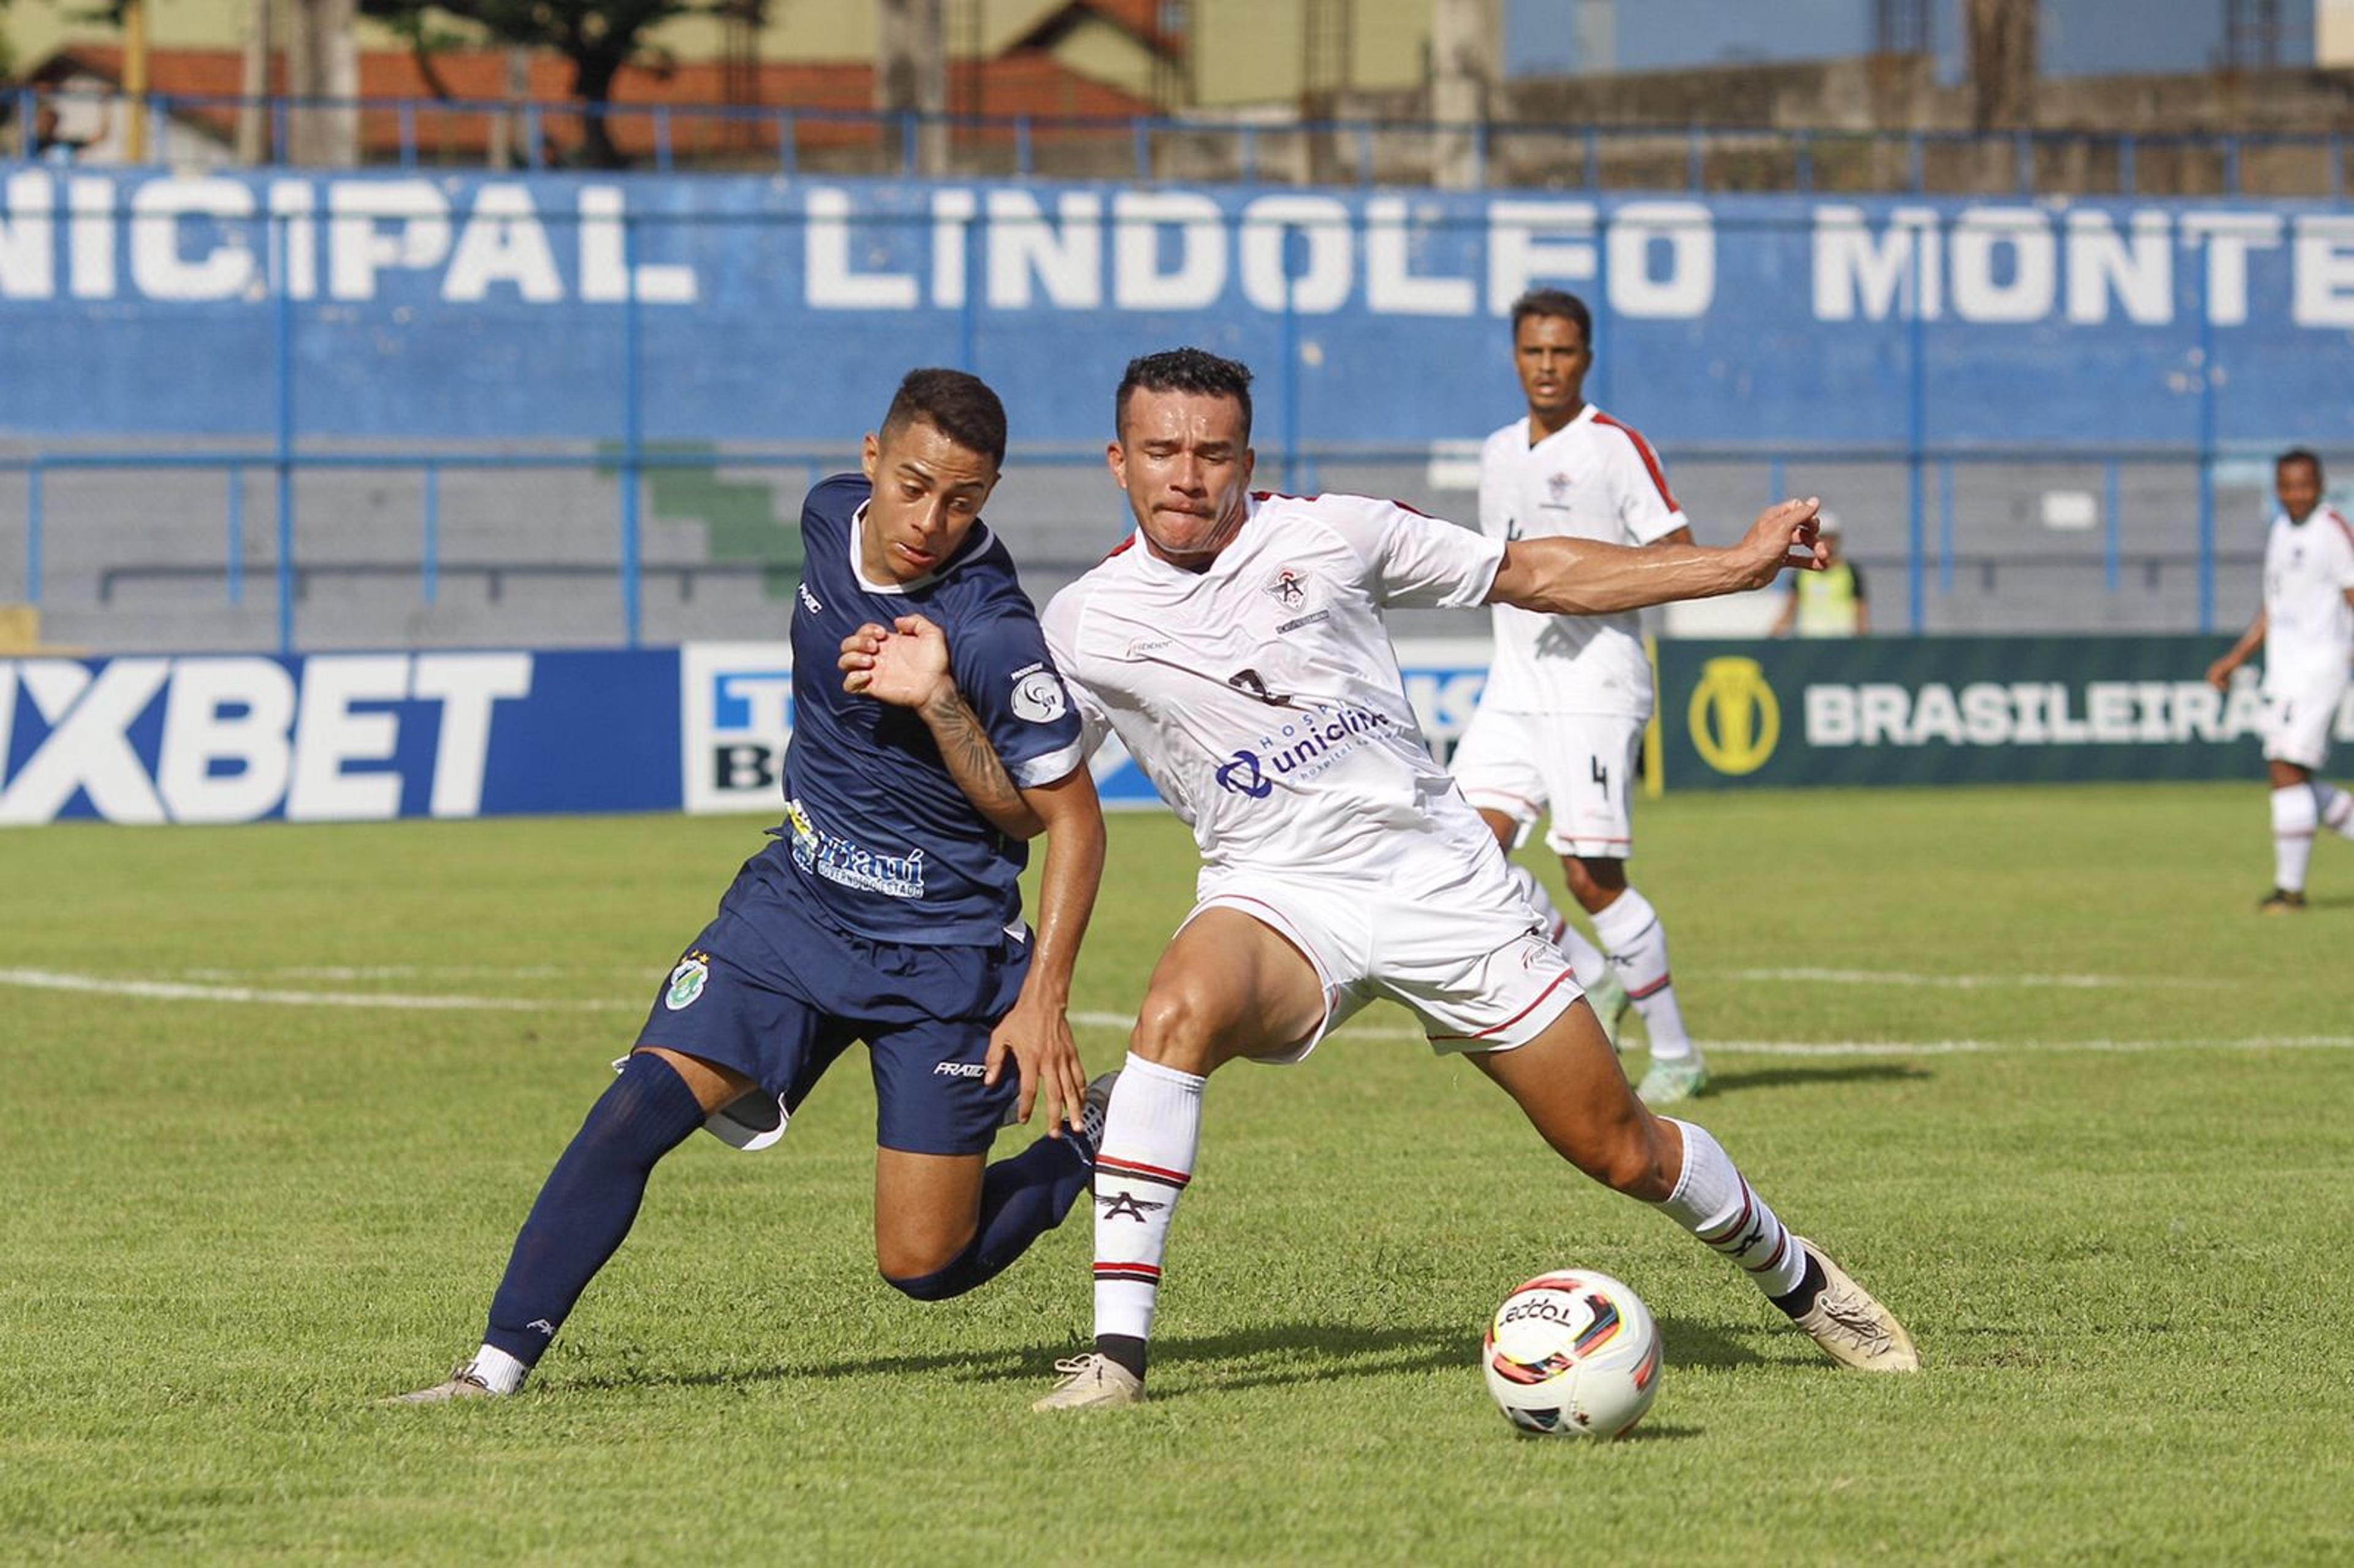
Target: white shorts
(1577,768)
(1440,931)
(2300,710)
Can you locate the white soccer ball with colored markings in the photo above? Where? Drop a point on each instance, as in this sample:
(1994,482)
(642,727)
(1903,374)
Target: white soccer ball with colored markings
(1573,1354)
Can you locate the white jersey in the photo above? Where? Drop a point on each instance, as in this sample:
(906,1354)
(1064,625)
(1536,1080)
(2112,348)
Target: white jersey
(1262,696)
(2309,627)
(1592,479)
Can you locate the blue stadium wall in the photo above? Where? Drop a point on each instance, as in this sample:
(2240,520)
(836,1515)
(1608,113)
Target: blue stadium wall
(775,310)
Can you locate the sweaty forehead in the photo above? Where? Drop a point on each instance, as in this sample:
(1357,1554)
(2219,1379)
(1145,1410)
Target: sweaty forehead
(1198,418)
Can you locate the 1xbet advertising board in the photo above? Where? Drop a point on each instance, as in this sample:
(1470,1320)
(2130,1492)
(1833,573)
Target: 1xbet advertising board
(783,309)
(337,738)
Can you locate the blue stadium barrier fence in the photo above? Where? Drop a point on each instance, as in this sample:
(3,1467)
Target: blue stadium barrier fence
(1927,567)
(1939,364)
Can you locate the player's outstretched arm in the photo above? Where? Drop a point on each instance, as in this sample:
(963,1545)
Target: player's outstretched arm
(2219,673)
(1562,576)
(909,667)
(1036,1033)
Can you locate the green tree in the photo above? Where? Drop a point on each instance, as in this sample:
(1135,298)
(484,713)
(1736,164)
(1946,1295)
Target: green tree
(599,36)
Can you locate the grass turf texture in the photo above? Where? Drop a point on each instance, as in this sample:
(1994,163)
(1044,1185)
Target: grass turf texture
(226,1228)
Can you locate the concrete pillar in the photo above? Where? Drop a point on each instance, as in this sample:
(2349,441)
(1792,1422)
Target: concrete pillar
(323,61)
(911,74)
(2002,64)
(2333,34)
(1597,36)
(253,83)
(1466,51)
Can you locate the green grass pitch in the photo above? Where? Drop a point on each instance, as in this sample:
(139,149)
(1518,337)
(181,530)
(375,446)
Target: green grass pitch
(2026,1061)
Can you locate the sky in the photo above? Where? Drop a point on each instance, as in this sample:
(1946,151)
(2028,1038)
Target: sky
(2079,38)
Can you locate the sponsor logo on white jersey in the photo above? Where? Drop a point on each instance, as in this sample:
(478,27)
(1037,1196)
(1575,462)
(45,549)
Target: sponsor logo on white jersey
(1319,738)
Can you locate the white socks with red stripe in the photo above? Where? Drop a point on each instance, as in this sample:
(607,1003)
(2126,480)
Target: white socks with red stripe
(1715,1204)
(1145,1157)
(1638,944)
(2295,816)
(1585,958)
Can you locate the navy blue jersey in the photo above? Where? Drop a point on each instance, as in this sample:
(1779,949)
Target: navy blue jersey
(881,837)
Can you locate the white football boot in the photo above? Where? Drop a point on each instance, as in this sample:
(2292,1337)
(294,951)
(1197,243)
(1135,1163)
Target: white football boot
(1852,1328)
(1092,1381)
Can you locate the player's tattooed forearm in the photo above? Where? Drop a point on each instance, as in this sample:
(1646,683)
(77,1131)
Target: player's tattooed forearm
(972,759)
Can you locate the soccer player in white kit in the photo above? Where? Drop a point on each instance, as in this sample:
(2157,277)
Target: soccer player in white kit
(1561,719)
(2307,631)
(1236,645)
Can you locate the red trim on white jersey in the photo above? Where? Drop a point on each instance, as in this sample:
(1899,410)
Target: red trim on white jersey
(1643,448)
(2331,513)
(1263,496)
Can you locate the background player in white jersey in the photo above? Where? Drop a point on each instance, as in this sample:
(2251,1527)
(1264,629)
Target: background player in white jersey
(1237,646)
(1561,719)
(2307,631)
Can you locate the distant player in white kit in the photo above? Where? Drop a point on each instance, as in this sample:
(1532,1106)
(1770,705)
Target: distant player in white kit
(1561,720)
(1236,645)
(2307,631)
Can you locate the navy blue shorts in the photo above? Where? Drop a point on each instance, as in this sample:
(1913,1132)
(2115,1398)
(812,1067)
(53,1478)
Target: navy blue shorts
(775,990)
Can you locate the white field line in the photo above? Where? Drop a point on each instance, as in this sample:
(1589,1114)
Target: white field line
(167,991)
(1796,976)
(1373,1031)
(173,990)
(1974,982)
(2019,1047)
(421,971)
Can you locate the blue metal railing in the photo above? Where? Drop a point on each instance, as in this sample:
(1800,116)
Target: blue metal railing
(1796,158)
(1924,565)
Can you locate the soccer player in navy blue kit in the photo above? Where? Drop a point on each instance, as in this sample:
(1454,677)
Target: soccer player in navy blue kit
(886,909)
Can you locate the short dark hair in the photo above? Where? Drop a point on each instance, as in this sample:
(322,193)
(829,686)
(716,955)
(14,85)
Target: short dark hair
(961,407)
(1183,370)
(2298,454)
(1556,302)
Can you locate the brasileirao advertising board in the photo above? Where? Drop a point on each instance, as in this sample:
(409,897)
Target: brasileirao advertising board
(1954,710)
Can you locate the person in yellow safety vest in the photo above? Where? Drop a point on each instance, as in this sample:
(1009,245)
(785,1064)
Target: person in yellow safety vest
(1830,602)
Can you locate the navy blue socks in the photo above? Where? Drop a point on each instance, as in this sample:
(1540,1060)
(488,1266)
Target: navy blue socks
(1022,1198)
(588,1204)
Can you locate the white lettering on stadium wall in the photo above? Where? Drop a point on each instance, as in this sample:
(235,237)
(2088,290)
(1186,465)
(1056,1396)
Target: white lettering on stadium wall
(903,246)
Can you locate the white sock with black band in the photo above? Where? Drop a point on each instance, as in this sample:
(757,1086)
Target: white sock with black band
(1713,1202)
(1152,1129)
(1638,944)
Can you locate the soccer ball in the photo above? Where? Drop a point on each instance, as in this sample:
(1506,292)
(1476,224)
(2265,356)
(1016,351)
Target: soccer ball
(1573,1354)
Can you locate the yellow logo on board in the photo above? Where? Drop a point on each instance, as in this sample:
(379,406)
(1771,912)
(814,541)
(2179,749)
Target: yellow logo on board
(1735,722)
